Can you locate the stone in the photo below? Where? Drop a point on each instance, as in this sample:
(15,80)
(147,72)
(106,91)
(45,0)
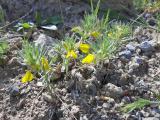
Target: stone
(106,105)
(130,47)
(13,111)
(14,91)
(152,22)
(150,118)
(145,114)
(104,117)
(126,54)
(125,79)
(138,31)
(147,15)
(138,60)
(25,90)
(91,89)
(40,84)
(84,117)
(48,98)
(146,46)
(126,100)
(113,91)
(99,108)
(44,40)
(75,110)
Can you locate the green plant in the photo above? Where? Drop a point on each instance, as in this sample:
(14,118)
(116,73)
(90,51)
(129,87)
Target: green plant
(69,43)
(103,48)
(32,55)
(140,4)
(119,30)
(38,18)
(92,25)
(140,103)
(63,48)
(91,21)
(3,47)
(2,16)
(147,5)
(107,36)
(158,21)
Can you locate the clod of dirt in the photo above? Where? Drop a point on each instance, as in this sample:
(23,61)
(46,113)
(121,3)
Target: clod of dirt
(126,54)
(138,66)
(130,47)
(113,91)
(48,98)
(14,91)
(146,47)
(151,22)
(91,89)
(44,40)
(75,110)
(88,71)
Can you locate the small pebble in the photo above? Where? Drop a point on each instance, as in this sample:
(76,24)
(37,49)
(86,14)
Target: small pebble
(75,109)
(147,15)
(138,60)
(40,84)
(150,118)
(126,54)
(91,89)
(151,22)
(106,105)
(113,90)
(146,46)
(14,90)
(48,98)
(126,99)
(130,47)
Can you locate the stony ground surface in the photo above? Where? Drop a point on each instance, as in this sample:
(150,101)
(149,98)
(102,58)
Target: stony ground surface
(90,94)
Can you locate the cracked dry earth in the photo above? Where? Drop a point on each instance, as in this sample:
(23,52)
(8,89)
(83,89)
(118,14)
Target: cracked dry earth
(90,93)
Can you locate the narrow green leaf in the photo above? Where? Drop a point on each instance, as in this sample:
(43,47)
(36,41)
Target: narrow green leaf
(140,103)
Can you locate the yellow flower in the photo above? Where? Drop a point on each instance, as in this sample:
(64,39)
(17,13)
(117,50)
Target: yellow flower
(95,34)
(88,59)
(71,54)
(110,34)
(27,77)
(84,48)
(45,63)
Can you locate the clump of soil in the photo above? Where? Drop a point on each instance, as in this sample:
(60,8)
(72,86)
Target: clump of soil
(89,93)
